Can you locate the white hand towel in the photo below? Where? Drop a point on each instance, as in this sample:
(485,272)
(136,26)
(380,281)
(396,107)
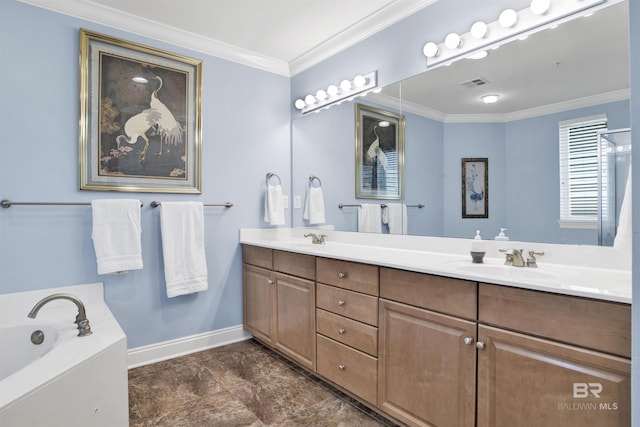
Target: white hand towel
(622,241)
(369,218)
(274,205)
(314,206)
(116,235)
(395,216)
(185,264)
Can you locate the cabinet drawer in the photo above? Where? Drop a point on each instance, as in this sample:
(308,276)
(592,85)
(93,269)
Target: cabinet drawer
(348,275)
(300,265)
(599,325)
(354,334)
(255,255)
(353,305)
(351,369)
(442,294)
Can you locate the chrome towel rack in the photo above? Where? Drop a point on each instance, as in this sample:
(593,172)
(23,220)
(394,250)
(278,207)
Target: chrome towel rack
(271,175)
(155,204)
(382,205)
(8,203)
(314,178)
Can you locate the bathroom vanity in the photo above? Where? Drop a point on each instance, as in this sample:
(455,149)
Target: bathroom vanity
(428,339)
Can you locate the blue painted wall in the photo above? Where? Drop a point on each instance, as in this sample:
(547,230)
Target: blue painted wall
(45,247)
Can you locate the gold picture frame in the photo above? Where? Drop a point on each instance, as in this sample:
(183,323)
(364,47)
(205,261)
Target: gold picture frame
(379,153)
(475,188)
(140,117)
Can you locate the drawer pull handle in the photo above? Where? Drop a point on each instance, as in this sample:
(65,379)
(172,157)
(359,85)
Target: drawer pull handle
(480,345)
(341,331)
(342,275)
(468,340)
(342,367)
(270,282)
(341,302)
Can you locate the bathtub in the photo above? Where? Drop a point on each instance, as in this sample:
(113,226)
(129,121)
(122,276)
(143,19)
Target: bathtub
(66,380)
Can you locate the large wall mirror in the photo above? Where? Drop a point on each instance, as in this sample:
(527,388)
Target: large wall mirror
(579,69)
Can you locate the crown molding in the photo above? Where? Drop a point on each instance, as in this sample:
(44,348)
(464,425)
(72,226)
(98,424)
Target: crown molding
(367,27)
(99,14)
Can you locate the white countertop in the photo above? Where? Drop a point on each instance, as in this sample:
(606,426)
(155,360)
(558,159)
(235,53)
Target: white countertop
(585,271)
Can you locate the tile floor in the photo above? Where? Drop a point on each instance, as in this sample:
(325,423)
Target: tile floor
(241,384)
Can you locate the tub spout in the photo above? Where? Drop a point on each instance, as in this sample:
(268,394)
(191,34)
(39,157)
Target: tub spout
(81,319)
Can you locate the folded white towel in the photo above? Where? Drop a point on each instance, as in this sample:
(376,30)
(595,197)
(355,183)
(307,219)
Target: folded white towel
(274,205)
(314,206)
(116,235)
(369,218)
(395,216)
(623,239)
(185,264)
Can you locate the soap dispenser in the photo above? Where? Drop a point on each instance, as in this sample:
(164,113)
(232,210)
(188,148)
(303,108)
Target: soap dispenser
(501,235)
(477,249)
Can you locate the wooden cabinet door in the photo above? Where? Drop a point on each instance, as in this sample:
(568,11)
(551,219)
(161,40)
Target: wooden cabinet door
(527,381)
(426,369)
(295,319)
(258,302)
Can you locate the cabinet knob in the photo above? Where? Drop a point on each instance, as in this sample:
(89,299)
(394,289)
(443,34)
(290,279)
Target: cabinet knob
(468,340)
(480,345)
(341,302)
(341,331)
(342,275)
(270,281)
(342,367)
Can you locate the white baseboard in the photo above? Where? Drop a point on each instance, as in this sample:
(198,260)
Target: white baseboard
(152,353)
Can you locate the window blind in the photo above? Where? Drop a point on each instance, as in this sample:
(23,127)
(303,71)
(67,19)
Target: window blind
(579,169)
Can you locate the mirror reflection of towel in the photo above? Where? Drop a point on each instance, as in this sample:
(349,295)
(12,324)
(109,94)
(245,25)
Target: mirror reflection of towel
(314,206)
(369,218)
(395,216)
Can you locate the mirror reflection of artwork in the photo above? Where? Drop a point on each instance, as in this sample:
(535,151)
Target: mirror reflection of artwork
(475,200)
(379,153)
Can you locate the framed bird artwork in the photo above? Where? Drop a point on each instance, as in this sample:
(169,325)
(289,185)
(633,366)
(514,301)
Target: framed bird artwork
(379,153)
(140,117)
(475,188)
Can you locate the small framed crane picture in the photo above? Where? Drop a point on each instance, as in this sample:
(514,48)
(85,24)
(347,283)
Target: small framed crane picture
(379,153)
(475,188)
(140,117)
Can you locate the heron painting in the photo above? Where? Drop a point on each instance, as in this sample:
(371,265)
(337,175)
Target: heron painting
(146,133)
(379,153)
(475,182)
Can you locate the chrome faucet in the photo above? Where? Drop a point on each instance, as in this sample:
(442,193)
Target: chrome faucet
(531,260)
(513,257)
(316,239)
(81,319)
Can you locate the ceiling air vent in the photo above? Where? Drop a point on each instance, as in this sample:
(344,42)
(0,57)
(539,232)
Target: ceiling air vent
(479,81)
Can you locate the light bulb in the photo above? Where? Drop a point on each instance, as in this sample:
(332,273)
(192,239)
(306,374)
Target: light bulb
(490,99)
(479,55)
(140,79)
(345,85)
(453,41)
(309,100)
(430,50)
(300,104)
(333,90)
(359,81)
(540,7)
(479,30)
(321,95)
(508,18)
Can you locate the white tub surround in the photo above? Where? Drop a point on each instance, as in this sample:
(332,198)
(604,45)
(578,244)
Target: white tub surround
(579,270)
(81,380)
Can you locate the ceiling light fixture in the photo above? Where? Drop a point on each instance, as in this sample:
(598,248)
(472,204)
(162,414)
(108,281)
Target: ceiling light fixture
(490,99)
(479,55)
(510,25)
(333,95)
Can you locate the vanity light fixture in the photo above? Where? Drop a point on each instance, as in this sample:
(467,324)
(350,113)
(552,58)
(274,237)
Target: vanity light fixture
(333,95)
(510,25)
(490,99)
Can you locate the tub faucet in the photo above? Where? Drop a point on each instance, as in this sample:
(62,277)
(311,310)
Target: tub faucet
(81,319)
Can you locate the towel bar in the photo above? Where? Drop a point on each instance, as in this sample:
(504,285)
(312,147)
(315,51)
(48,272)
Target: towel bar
(8,203)
(382,205)
(155,204)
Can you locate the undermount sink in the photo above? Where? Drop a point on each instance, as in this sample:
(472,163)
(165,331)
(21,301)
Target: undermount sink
(493,269)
